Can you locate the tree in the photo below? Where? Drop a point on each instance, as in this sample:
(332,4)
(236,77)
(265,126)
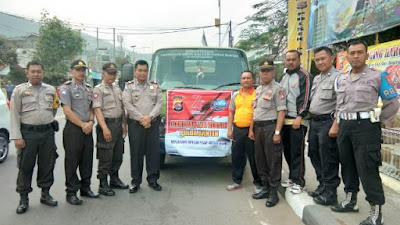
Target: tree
(8,56)
(267,33)
(56,45)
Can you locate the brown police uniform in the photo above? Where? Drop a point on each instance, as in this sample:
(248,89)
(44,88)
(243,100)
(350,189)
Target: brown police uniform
(109,154)
(139,100)
(269,100)
(78,145)
(359,137)
(32,114)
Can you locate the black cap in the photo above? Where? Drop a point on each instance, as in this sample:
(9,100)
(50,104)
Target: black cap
(78,64)
(266,64)
(110,67)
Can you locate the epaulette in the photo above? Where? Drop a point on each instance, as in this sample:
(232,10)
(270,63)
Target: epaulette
(20,85)
(88,85)
(67,82)
(129,82)
(153,82)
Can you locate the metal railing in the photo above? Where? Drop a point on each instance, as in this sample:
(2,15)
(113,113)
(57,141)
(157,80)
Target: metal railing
(390,152)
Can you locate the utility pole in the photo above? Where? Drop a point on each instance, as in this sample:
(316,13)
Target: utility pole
(113,59)
(219,6)
(230,35)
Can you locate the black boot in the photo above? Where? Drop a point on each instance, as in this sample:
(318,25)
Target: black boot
(262,194)
(320,189)
(46,198)
(116,183)
(273,198)
(105,189)
(375,216)
(23,204)
(348,205)
(328,197)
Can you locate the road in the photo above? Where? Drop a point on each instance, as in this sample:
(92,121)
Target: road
(193,194)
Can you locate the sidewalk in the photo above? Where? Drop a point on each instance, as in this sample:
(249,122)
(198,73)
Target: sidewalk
(313,214)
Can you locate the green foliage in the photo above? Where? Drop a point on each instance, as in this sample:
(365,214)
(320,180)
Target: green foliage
(56,45)
(8,56)
(266,36)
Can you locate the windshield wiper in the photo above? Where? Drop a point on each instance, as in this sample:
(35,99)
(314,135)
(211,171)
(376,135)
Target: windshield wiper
(225,85)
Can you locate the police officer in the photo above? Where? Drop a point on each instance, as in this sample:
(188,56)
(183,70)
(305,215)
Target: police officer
(239,120)
(297,82)
(143,100)
(110,130)
(322,148)
(76,100)
(33,107)
(265,129)
(360,130)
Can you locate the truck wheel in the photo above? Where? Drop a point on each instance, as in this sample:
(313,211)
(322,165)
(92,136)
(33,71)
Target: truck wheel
(4,146)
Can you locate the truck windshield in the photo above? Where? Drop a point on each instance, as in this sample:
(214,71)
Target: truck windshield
(199,68)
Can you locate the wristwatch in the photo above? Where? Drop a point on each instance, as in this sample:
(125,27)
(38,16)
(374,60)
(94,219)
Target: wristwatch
(277,132)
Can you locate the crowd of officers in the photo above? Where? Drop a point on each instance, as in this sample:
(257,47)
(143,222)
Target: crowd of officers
(33,108)
(340,111)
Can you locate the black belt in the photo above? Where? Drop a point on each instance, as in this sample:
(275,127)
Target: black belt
(264,123)
(321,117)
(113,120)
(37,128)
(132,121)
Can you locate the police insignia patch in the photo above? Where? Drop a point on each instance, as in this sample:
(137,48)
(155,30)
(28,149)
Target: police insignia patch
(95,95)
(281,94)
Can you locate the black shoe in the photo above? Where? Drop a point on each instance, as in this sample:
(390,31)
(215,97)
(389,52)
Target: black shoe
(105,189)
(273,198)
(23,204)
(73,200)
(320,189)
(46,198)
(89,193)
(155,186)
(264,193)
(116,183)
(328,197)
(134,188)
(348,205)
(375,216)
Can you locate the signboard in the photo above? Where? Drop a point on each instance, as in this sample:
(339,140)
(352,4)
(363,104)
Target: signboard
(340,20)
(196,122)
(298,15)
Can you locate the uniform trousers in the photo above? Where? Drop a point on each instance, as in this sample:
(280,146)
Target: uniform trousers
(323,152)
(293,142)
(359,144)
(268,155)
(109,154)
(78,148)
(243,146)
(40,145)
(144,142)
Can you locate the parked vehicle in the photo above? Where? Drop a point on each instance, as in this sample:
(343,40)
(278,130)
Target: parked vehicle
(4,126)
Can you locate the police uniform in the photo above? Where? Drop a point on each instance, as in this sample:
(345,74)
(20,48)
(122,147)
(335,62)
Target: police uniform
(269,100)
(109,154)
(359,139)
(78,145)
(242,146)
(139,100)
(297,85)
(322,149)
(32,118)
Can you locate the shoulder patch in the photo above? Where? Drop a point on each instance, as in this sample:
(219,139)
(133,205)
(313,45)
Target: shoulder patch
(68,82)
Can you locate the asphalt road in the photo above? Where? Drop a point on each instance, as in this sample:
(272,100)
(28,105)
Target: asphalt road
(193,194)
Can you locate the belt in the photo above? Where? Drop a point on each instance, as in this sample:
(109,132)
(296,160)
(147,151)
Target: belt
(321,117)
(132,121)
(354,116)
(113,120)
(37,128)
(289,121)
(264,123)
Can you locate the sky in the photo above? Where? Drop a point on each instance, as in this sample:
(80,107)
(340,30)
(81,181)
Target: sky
(132,16)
